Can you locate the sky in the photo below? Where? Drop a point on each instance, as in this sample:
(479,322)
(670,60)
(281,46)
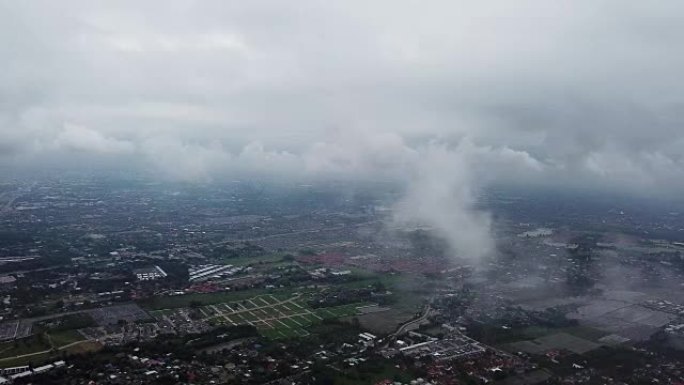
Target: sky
(540,91)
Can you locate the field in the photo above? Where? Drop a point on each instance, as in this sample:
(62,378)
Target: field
(38,348)
(171,302)
(563,341)
(187,300)
(66,337)
(24,346)
(274,316)
(409,285)
(585,332)
(387,321)
(246,261)
(43,356)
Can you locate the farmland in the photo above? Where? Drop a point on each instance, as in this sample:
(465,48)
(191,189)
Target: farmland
(274,317)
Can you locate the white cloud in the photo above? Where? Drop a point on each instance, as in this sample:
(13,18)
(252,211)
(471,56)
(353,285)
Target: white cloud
(83,139)
(183,161)
(556,91)
(359,153)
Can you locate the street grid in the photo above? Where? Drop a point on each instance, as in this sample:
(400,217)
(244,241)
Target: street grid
(273,317)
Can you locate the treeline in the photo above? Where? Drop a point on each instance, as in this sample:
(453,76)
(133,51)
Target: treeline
(231,250)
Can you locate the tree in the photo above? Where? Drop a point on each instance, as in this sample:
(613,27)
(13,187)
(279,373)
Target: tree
(59,304)
(196,304)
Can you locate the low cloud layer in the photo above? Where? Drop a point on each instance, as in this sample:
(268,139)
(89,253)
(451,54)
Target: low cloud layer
(448,94)
(587,91)
(443,199)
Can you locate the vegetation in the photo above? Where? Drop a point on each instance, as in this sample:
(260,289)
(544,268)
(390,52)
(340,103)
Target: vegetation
(197,299)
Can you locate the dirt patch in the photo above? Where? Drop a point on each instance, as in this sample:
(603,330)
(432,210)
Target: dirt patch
(384,322)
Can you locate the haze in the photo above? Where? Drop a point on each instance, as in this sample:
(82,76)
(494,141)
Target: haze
(578,93)
(322,192)
(584,90)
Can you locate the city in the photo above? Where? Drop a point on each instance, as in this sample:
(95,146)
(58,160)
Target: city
(349,192)
(227,293)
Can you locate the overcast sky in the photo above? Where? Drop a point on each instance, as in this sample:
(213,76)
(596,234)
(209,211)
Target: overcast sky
(590,91)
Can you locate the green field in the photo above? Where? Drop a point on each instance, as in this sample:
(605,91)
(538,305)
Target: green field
(34,359)
(66,337)
(39,358)
(172,302)
(585,332)
(187,300)
(24,346)
(275,316)
(41,347)
(264,259)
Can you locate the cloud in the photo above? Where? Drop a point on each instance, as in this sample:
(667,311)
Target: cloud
(82,139)
(185,162)
(363,154)
(440,194)
(545,92)
(255,158)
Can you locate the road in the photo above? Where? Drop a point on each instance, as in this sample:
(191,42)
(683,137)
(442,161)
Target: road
(43,351)
(403,328)
(238,310)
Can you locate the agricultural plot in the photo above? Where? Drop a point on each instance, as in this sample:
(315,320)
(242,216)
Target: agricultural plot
(338,311)
(275,317)
(554,341)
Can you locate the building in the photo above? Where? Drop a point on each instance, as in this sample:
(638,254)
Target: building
(7,281)
(149,273)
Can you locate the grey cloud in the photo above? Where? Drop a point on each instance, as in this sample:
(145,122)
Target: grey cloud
(440,195)
(78,138)
(581,92)
(557,80)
